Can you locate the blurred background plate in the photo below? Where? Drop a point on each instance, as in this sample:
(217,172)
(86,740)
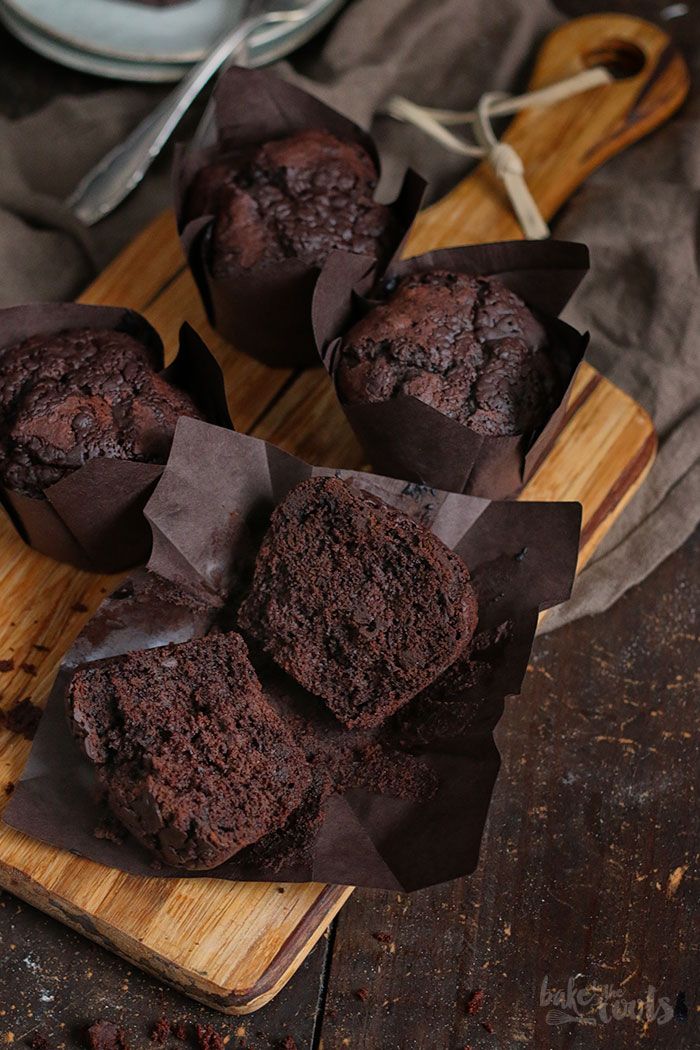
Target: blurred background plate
(114,68)
(130,32)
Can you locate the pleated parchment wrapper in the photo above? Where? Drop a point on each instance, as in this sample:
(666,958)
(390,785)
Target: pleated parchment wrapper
(265,310)
(208,513)
(406,438)
(93,517)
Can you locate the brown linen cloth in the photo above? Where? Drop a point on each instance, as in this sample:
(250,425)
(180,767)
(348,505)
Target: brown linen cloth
(638,215)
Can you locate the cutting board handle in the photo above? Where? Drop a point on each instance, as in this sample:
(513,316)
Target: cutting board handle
(562,144)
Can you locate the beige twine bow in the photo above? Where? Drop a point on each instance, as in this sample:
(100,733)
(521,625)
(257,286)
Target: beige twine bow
(502,157)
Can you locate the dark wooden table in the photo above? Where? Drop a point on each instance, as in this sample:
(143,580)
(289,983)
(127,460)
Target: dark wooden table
(586,872)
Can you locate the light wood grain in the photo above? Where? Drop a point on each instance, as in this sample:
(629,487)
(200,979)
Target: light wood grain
(560,146)
(234,946)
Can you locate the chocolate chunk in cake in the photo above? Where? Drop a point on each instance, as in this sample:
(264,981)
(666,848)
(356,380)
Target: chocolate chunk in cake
(361,605)
(194,761)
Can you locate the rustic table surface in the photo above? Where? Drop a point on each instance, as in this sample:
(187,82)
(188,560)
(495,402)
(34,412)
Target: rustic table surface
(586,871)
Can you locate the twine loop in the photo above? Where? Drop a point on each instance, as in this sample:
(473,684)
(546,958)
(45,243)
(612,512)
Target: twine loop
(506,162)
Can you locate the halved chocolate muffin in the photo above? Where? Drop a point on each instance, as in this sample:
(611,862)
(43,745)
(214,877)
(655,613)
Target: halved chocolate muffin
(361,605)
(194,761)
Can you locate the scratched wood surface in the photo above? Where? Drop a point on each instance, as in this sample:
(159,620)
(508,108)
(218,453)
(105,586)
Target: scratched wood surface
(235,946)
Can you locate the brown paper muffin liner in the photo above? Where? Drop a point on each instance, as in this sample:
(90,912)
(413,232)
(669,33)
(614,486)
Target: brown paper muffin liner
(406,438)
(93,518)
(208,514)
(265,311)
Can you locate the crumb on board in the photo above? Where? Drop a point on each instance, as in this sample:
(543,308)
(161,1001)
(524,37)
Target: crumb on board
(28,668)
(22,718)
(362,994)
(7,665)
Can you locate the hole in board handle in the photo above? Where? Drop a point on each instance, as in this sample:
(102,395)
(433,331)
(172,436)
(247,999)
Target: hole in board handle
(620,57)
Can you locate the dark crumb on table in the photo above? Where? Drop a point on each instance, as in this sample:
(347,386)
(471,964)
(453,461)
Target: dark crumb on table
(22,718)
(37,1041)
(521,554)
(383,938)
(9,788)
(680,1008)
(28,668)
(475,1001)
(208,1038)
(362,994)
(7,665)
(487,1026)
(288,1043)
(180,1030)
(160,1030)
(79,607)
(104,1035)
(40,648)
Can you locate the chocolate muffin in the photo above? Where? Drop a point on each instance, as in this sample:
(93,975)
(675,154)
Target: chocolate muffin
(466,345)
(82,393)
(299,197)
(194,761)
(361,605)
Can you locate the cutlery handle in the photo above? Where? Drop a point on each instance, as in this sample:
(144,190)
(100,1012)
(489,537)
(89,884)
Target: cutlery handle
(116,175)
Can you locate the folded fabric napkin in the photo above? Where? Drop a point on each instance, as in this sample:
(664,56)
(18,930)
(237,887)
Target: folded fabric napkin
(638,214)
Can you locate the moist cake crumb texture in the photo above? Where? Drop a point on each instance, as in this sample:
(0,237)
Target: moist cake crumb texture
(194,761)
(361,605)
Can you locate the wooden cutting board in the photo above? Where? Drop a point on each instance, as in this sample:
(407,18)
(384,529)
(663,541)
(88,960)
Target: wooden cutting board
(235,945)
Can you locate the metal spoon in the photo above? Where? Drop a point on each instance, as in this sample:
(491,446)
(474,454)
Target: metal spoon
(122,169)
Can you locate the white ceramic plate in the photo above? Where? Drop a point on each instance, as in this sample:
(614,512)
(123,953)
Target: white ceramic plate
(137,33)
(99,65)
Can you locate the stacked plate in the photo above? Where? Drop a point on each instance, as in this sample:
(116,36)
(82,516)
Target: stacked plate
(133,41)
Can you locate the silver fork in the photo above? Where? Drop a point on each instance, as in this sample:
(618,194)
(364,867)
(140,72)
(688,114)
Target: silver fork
(122,169)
